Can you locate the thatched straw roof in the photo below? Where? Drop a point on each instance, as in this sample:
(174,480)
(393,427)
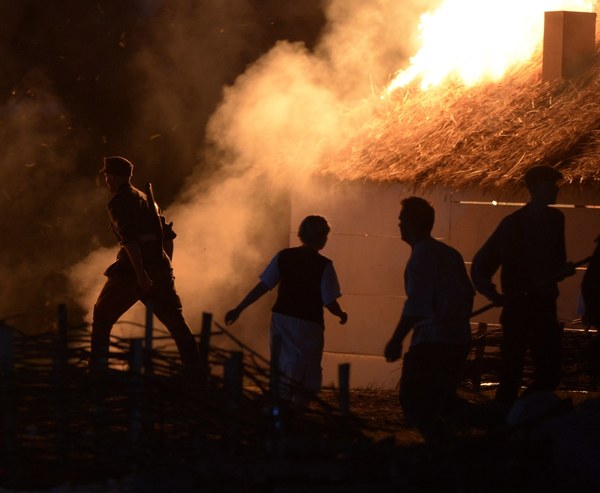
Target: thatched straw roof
(485,136)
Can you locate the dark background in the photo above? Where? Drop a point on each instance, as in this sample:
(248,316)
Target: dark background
(84,79)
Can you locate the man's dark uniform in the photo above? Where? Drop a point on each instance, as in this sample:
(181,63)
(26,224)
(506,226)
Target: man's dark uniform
(530,252)
(132,220)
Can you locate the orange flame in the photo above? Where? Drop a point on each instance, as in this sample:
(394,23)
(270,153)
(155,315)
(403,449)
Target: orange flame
(477,40)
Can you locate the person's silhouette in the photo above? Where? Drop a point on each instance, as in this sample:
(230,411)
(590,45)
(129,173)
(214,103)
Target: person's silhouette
(529,247)
(307,283)
(142,270)
(437,309)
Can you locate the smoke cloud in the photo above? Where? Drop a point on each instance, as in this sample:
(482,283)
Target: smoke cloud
(274,124)
(82,80)
(43,203)
(143,80)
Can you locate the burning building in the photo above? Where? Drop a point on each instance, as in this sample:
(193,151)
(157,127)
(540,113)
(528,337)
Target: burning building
(465,149)
(459,125)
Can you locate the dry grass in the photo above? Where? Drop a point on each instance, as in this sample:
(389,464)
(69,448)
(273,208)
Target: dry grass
(487,135)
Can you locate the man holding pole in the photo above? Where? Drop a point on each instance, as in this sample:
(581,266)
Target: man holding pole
(529,246)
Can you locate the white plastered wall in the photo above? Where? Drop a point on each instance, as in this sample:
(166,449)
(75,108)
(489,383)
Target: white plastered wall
(369,257)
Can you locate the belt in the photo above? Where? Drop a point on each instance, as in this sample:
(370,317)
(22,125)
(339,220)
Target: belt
(148,237)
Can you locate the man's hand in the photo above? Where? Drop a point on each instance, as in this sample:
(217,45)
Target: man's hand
(393,350)
(135,256)
(232,315)
(568,270)
(496,298)
(144,282)
(343,318)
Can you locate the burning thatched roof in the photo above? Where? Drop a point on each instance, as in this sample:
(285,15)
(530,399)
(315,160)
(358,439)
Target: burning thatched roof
(485,136)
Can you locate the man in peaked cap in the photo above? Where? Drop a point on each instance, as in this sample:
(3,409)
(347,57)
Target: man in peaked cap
(529,247)
(142,270)
(542,174)
(117,166)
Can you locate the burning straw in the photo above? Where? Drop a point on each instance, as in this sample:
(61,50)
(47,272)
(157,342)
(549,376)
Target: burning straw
(486,135)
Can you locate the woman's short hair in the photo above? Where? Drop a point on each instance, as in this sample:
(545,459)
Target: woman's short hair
(313,229)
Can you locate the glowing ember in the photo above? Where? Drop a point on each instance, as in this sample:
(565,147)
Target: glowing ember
(475,40)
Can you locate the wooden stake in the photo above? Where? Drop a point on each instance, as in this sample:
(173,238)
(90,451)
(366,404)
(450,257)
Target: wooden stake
(344,385)
(204,346)
(148,340)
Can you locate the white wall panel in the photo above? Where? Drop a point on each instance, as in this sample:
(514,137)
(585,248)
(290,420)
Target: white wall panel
(371,321)
(369,256)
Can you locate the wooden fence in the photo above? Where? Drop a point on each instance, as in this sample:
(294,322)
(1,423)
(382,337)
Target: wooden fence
(61,421)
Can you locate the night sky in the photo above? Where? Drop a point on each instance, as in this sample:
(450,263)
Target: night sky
(85,79)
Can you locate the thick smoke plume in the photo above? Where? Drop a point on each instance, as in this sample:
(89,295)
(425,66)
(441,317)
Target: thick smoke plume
(82,80)
(142,79)
(274,124)
(222,105)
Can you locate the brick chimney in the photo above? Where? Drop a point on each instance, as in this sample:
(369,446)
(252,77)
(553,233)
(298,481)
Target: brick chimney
(569,43)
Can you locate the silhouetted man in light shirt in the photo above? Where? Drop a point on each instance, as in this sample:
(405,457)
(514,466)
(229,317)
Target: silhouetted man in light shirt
(437,309)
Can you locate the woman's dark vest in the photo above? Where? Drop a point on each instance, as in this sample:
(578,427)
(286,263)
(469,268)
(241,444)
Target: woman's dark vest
(299,295)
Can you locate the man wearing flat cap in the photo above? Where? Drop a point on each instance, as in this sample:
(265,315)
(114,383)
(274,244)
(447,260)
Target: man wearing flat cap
(529,247)
(142,270)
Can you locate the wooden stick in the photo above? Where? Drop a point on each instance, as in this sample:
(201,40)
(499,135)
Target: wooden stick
(204,346)
(148,341)
(344,383)
(555,277)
